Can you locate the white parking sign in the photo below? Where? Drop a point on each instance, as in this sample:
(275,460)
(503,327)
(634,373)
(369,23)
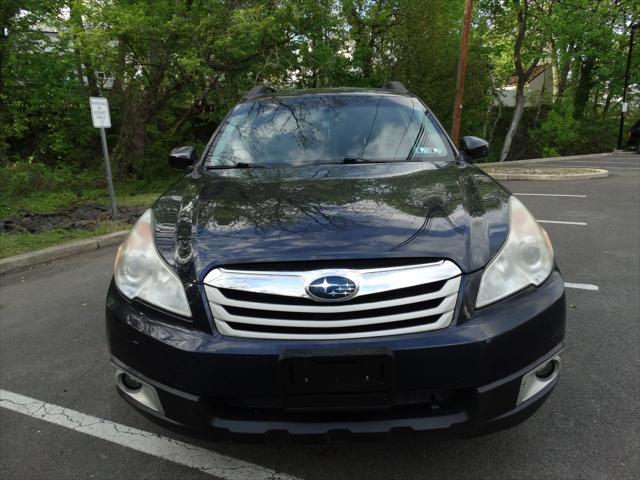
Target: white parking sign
(101,119)
(100,112)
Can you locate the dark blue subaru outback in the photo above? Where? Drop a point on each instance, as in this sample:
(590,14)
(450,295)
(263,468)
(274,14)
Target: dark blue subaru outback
(332,264)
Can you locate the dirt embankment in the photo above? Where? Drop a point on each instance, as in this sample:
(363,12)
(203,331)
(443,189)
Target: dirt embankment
(84,217)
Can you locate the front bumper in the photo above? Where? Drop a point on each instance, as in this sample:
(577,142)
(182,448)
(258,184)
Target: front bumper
(463,380)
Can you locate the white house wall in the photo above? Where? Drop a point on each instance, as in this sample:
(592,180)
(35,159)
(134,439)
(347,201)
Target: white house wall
(532,91)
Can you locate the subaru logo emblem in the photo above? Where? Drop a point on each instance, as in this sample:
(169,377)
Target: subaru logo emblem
(332,288)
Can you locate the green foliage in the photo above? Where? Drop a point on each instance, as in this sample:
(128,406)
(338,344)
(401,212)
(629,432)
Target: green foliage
(562,134)
(39,188)
(43,112)
(558,134)
(596,135)
(176,68)
(20,178)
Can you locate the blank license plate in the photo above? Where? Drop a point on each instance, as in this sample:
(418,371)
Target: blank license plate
(311,379)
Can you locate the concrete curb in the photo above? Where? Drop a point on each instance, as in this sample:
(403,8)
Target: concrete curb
(29,259)
(544,160)
(600,173)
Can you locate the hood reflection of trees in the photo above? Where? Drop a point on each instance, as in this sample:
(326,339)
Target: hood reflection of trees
(277,202)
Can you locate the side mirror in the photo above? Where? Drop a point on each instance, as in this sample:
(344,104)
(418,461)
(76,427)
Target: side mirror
(182,157)
(474,148)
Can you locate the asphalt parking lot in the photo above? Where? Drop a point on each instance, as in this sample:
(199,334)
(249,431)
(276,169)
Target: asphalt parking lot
(53,349)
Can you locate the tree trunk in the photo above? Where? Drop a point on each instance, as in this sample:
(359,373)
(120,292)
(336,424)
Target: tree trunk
(118,87)
(540,103)
(487,117)
(487,114)
(596,98)
(607,102)
(138,138)
(583,90)
(555,70)
(83,63)
(8,11)
(563,77)
(522,76)
(515,120)
(495,122)
(129,149)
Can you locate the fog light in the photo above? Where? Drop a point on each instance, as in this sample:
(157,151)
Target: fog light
(139,390)
(538,379)
(546,370)
(130,382)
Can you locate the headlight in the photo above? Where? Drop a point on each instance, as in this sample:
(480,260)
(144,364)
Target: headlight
(141,273)
(526,258)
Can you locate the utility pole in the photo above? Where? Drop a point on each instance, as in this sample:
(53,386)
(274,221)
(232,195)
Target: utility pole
(462,67)
(623,110)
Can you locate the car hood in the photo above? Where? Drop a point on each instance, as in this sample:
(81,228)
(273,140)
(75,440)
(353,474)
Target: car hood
(331,212)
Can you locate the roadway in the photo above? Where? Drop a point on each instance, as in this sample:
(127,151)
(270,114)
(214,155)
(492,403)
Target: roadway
(53,353)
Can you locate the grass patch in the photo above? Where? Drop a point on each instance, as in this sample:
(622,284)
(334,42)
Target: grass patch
(38,188)
(127,193)
(17,243)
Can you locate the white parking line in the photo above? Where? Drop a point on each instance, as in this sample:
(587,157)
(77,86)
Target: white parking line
(581,286)
(562,223)
(206,461)
(549,195)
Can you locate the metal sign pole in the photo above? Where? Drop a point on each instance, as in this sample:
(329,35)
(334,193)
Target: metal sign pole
(107,170)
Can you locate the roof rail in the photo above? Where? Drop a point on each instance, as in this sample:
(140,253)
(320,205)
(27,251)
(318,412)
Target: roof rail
(394,85)
(258,91)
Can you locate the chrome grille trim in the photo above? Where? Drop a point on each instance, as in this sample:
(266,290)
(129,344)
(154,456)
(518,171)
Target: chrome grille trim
(215,296)
(220,313)
(442,322)
(371,281)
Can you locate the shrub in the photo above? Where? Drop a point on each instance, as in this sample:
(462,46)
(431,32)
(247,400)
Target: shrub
(21,178)
(562,134)
(558,133)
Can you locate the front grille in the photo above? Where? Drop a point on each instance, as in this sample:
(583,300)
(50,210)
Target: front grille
(373,297)
(340,330)
(389,301)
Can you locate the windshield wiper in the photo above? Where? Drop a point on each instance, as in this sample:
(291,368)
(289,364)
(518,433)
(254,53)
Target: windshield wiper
(352,160)
(234,165)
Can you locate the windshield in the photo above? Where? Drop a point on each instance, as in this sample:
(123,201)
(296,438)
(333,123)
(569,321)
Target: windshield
(328,129)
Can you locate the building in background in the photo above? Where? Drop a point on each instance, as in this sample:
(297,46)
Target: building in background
(539,88)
